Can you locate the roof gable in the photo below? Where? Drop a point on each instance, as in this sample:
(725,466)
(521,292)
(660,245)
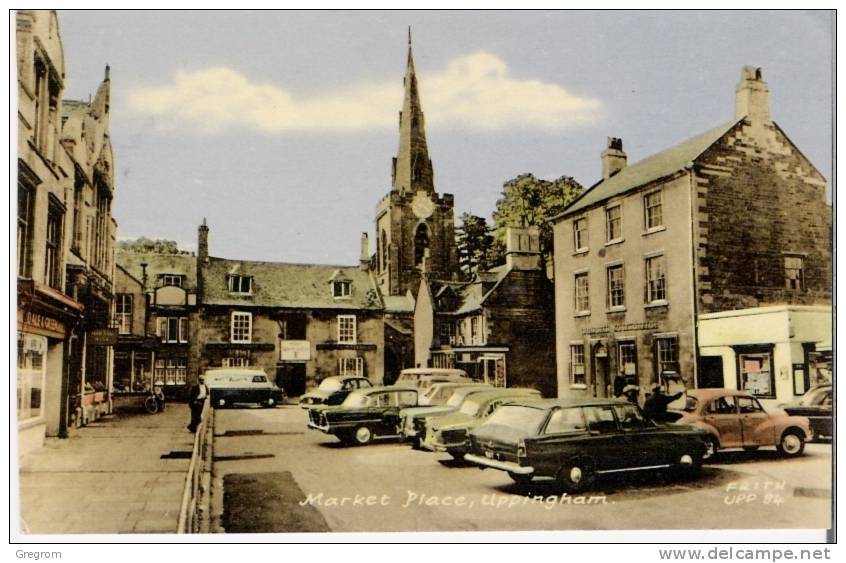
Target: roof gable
(655,167)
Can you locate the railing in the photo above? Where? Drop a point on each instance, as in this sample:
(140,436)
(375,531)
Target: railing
(194,512)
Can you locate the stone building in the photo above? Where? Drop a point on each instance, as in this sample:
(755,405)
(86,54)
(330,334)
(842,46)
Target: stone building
(499,327)
(298,322)
(155,296)
(413,221)
(710,260)
(65,240)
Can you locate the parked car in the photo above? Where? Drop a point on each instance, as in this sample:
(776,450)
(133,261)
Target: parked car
(816,405)
(735,419)
(412,423)
(450,433)
(333,390)
(228,386)
(422,378)
(576,440)
(365,415)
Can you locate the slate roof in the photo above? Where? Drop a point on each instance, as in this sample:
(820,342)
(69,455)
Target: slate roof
(279,284)
(470,295)
(182,264)
(652,168)
(398,303)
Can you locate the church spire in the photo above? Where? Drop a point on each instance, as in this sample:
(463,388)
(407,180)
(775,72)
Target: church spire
(412,169)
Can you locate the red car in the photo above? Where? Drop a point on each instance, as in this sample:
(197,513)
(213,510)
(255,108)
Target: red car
(735,419)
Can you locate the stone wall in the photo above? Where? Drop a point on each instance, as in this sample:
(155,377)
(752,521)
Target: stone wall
(759,198)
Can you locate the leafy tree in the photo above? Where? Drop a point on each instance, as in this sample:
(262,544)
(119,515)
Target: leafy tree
(145,245)
(528,201)
(475,243)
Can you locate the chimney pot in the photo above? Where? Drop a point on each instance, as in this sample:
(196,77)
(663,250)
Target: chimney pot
(613,157)
(752,96)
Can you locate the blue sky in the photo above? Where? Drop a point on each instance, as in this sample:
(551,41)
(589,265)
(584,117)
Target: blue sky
(279,127)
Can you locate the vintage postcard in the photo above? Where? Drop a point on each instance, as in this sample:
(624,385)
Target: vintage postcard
(297,273)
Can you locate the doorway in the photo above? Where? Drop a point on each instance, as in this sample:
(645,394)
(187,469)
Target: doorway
(711,372)
(600,370)
(292,378)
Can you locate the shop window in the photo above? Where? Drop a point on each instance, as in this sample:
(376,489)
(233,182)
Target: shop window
(668,355)
(577,364)
(235,362)
(756,374)
(346,329)
(627,359)
(241,327)
(32,356)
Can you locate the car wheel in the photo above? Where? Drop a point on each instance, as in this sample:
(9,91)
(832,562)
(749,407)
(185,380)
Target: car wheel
(577,475)
(711,447)
(792,444)
(151,405)
(457,455)
(269,403)
(688,466)
(521,478)
(363,435)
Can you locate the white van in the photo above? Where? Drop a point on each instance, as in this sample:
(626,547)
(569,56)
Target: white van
(228,386)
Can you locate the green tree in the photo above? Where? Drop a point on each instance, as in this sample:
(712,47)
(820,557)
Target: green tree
(528,201)
(475,243)
(145,245)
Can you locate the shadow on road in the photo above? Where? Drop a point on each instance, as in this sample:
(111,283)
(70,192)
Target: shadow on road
(634,485)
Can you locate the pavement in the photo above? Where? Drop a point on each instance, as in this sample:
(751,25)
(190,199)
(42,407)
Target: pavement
(109,477)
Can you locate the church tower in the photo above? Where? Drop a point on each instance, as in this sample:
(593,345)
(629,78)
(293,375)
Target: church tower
(415,227)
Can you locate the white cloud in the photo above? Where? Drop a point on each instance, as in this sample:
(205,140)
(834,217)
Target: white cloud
(474,91)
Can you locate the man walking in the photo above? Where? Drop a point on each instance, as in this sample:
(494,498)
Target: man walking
(655,407)
(196,399)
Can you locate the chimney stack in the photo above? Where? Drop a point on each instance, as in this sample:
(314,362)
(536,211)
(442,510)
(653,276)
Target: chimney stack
(522,248)
(753,96)
(364,259)
(203,243)
(613,158)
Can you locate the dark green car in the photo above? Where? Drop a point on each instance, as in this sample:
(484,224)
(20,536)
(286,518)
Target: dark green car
(576,440)
(365,415)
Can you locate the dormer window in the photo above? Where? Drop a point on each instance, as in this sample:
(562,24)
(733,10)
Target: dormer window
(174,280)
(240,284)
(341,289)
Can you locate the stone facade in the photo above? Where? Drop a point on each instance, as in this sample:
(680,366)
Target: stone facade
(724,225)
(65,240)
(499,327)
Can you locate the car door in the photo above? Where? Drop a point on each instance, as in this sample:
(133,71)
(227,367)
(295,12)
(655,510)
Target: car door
(721,413)
(562,436)
(754,422)
(644,442)
(605,443)
(397,400)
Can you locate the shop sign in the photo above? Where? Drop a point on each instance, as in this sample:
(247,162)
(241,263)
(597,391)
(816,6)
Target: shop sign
(628,327)
(36,322)
(294,350)
(102,337)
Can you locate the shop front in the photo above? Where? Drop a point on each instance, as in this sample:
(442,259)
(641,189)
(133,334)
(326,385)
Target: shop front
(45,319)
(772,352)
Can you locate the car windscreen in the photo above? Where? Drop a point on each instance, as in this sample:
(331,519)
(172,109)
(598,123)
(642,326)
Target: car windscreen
(527,419)
(470,406)
(812,397)
(329,384)
(355,399)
